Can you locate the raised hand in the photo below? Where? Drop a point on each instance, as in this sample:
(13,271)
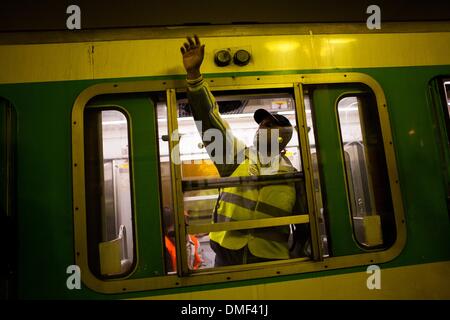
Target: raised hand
(193,52)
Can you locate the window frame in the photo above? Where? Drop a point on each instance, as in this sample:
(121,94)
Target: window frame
(231,273)
(348,181)
(182,230)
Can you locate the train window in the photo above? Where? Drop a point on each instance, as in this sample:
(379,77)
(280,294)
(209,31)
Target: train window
(230,178)
(109,206)
(246,180)
(366,172)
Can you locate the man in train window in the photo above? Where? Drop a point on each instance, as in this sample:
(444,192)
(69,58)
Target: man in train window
(245,202)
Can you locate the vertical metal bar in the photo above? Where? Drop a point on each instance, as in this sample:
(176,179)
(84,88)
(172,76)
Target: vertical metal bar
(308,171)
(115,186)
(177,193)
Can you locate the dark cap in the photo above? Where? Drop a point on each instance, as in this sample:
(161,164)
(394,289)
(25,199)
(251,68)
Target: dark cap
(280,120)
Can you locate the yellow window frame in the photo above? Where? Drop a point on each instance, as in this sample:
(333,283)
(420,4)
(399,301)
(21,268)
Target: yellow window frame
(231,273)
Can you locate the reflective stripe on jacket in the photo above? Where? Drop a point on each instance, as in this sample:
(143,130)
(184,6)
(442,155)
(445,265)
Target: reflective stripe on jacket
(257,202)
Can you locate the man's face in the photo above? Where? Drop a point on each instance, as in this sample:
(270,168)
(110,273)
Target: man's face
(271,138)
(266,139)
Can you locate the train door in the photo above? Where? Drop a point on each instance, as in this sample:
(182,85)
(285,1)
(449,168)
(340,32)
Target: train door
(7,199)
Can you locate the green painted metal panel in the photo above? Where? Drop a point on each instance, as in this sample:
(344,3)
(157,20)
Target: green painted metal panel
(418,162)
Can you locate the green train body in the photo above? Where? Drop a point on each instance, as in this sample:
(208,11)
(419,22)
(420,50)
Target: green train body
(44,91)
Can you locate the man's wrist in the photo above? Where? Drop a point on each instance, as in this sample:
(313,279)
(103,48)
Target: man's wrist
(194,82)
(193,74)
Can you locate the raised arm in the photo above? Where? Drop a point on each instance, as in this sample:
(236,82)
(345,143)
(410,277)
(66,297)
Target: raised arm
(206,110)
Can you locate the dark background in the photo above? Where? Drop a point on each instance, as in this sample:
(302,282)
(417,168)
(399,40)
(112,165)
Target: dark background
(34,15)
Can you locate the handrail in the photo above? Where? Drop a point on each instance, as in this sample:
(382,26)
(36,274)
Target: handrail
(248,224)
(123,237)
(226,182)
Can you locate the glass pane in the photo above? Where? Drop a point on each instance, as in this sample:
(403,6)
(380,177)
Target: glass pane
(108,201)
(118,222)
(366,171)
(237,112)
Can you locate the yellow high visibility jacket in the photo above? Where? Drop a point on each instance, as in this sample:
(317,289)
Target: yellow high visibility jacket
(257,202)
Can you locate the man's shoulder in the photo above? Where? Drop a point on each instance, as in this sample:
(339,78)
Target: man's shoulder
(285,165)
